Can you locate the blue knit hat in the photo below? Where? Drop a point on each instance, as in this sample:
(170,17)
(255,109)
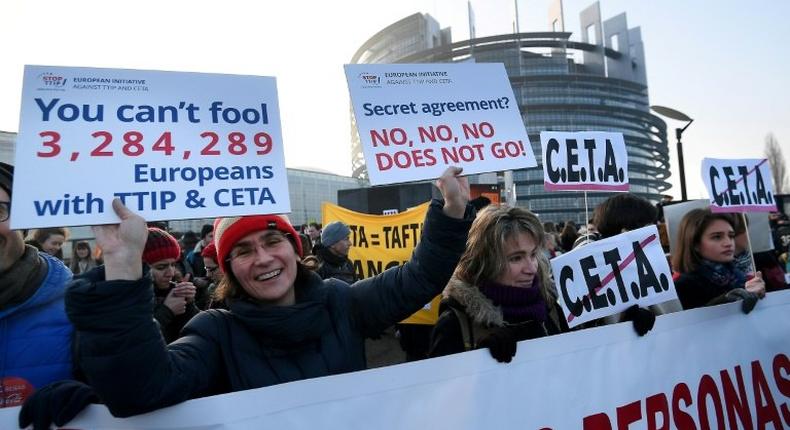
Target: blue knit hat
(333,233)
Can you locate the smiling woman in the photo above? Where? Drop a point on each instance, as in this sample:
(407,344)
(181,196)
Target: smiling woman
(283,323)
(498,294)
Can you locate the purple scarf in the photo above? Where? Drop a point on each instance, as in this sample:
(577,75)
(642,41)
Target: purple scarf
(517,304)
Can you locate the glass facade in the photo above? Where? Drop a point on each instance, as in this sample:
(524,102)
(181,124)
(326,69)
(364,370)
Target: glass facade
(556,92)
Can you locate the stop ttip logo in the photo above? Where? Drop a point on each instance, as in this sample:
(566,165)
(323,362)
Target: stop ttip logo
(51,80)
(370,79)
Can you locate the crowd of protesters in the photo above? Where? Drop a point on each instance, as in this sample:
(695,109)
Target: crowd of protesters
(254,301)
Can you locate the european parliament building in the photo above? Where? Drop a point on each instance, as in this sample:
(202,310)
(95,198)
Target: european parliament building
(596,84)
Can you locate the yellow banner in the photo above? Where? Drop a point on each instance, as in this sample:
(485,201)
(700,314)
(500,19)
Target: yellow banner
(379,242)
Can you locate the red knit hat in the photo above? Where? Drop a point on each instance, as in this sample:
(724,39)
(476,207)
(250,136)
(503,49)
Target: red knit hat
(228,231)
(159,246)
(210,251)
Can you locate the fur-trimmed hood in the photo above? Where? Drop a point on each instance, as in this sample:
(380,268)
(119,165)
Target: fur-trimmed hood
(479,307)
(482,310)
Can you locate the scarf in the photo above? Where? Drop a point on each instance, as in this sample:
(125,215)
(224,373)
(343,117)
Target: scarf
(517,304)
(22,279)
(286,327)
(743,262)
(724,275)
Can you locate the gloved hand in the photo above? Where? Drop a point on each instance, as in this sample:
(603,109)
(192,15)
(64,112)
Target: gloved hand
(58,402)
(643,319)
(501,343)
(749,299)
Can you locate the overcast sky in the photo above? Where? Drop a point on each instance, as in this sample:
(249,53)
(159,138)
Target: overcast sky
(723,63)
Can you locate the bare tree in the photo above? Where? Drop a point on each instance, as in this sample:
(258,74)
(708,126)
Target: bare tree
(773,152)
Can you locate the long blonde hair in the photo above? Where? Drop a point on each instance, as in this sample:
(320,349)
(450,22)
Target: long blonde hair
(484,258)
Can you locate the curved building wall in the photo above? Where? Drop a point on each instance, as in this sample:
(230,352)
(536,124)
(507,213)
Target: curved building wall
(557,92)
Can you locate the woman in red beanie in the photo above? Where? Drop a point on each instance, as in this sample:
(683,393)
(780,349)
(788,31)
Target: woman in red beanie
(174,302)
(283,322)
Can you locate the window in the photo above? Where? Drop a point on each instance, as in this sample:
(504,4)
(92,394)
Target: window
(614,42)
(591,34)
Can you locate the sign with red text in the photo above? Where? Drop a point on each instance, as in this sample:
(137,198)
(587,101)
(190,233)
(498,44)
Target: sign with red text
(169,145)
(608,276)
(415,120)
(707,368)
(739,185)
(584,161)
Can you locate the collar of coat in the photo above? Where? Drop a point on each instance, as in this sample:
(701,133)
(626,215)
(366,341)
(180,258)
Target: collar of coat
(479,307)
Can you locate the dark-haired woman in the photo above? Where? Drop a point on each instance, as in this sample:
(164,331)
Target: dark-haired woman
(82,259)
(704,257)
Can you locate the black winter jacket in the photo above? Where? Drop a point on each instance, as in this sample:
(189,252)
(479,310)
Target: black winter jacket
(252,345)
(481,316)
(333,266)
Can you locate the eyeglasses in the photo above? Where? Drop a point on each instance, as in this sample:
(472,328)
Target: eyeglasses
(5,211)
(246,251)
(211,269)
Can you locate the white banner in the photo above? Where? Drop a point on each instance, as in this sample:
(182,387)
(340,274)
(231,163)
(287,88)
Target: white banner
(743,185)
(170,145)
(584,161)
(606,277)
(704,368)
(414,120)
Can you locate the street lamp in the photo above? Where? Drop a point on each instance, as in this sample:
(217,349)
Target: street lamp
(680,116)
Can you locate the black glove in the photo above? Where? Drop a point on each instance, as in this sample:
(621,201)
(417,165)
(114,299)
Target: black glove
(501,343)
(643,319)
(749,298)
(58,402)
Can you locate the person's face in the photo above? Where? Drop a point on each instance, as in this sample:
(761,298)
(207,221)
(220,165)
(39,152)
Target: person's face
(212,269)
(208,239)
(522,261)
(264,263)
(53,243)
(12,245)
(82,253)
(163,271)
(341,247)
(718,242)
(313,232)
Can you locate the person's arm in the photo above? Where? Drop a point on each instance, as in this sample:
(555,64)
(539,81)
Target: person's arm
(692,291)
(446,337)
(393,295)
(121,350)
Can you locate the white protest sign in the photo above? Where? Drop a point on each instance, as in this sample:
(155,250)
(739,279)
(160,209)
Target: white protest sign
(584,161)
(414,120)
(170,145)
(697,369)
(606,277)
(739,185)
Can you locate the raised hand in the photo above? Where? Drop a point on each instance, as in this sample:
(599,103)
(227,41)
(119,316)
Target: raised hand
(455,191)
(122,244)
